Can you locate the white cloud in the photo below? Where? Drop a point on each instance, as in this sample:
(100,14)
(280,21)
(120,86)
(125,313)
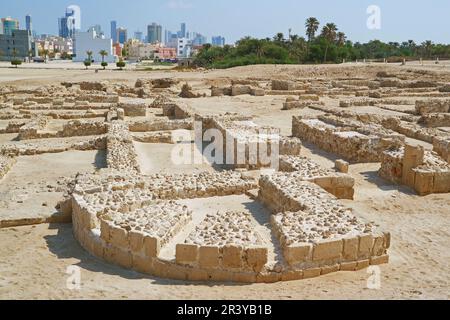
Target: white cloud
(179,5)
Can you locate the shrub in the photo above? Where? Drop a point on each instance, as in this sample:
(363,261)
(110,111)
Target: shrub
(104,65)
(87,63)
(16,62)
(121,64)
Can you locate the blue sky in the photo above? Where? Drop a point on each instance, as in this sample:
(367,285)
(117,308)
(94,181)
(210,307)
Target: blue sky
(401,20)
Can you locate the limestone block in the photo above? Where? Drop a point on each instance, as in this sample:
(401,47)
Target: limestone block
(142,263)
(232,257)
(441,182)
(120,114)
(271,277)
(256,258)
(311,273)
(136,239)
(351,246)
(363,264)
(186,254)
(177,272)
(208,257)
(378,245)
(258,92)
(105,229)
(348,266)
(292,275)
(119,237)
(197,275)
(328,250)
(387,240)
(342,166)
(151,246)
(424,182)
(330,269)
(298,253)
(384,259)
(365,246)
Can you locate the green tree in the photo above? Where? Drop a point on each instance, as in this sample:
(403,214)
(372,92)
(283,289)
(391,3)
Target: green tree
(120,64)
(312,25)
(329,33)
(104,54)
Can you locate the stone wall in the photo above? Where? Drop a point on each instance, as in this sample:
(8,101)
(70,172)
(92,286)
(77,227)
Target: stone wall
(160,125)
(6,163)
(424,171)
(442,147)
(121,154)
(339,184)
(432,106)
(353,143)
(315,231)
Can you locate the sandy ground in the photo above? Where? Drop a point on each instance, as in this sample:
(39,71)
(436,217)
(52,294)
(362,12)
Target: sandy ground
(34,259)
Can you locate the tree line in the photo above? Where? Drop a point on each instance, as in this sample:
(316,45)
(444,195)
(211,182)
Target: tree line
(321,45)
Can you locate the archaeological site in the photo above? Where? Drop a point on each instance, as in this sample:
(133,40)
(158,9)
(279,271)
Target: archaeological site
(265,181)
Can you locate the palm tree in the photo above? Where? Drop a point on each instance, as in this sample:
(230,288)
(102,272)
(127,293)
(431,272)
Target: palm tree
(89,54)
(259,48)
(279,37)
(427,45)
(312,25)
(45,53)
(329,34)
(103,53)
(341,38)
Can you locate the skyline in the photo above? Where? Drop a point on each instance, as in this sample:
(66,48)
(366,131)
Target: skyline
(416,21)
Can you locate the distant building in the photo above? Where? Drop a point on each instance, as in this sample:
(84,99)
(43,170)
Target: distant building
(114,31)
(164,53)
(184,48)
(90,41)
(218,41)
(67,24)
(122,35)
(172,41)
(9,25)
(28,23)
(117,49)
(56,44)
(199,39)
(98,30)
(154,33)
(183,30)
(138,35)
(19,44)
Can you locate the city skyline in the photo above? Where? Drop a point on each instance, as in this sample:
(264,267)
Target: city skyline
(417,22)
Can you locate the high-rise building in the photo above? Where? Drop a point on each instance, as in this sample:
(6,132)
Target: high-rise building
(28,23)
(138,35)
(114,31)
(199,39)
(154,33)
(122,35)
(68,24)
(218,41)
(19,44)
(9,25)
(183,30)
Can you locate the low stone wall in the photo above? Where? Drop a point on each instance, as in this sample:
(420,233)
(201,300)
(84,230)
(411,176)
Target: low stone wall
(30,129)
(177,111)
(283,85)
(442,147)
(155,137)
(28,148)
(6,163)
(432,106)
(434,120)
(134,109)
(346,142)
(421,170)
(121,154)
(339,184)
(76,128)
(160,125)
(315,231)
(237,90)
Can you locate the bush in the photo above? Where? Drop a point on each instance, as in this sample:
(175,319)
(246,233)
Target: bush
(104,65)
(121,64)
(16,62)
(87,63)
